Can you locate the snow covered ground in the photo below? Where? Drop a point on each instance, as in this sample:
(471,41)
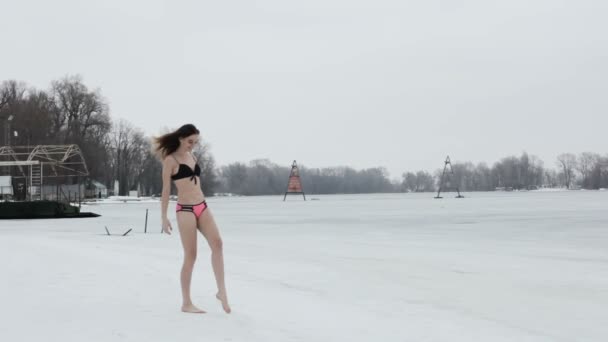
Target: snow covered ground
(521,266)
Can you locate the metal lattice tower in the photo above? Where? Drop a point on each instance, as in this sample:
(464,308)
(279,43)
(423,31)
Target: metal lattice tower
(446,178)
(294,185)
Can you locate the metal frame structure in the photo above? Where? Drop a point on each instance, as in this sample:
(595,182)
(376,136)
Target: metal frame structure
(294,182)
(35,163)
(446,177)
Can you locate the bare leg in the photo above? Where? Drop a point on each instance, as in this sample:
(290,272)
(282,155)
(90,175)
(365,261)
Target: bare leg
(209,229)
(187,232)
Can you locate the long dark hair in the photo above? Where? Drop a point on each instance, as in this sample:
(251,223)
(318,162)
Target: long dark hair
(169,143)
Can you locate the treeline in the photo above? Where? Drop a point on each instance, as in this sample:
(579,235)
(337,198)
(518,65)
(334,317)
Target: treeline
(262,177)
(68,112)
(526,172)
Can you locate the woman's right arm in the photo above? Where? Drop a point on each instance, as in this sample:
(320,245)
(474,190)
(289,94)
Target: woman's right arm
(164,199)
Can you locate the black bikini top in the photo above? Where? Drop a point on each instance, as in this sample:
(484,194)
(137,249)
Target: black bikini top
(185,171)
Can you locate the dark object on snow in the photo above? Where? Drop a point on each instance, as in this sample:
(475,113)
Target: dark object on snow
(40,210)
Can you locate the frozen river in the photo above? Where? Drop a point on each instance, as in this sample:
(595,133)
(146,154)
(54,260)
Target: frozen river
(527,266)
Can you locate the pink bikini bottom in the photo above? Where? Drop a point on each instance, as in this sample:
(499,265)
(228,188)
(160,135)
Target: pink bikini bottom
(196,209)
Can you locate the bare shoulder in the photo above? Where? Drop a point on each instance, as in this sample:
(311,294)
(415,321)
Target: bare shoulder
(169,161)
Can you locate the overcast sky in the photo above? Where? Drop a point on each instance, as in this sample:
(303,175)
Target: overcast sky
(392,83)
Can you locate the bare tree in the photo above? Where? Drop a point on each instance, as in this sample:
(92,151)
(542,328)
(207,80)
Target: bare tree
(420,181)
(567,163)
(11,92)
(410,182)
(209,178)
(586,163)
(233,178)
(12,96)
(129,150)
(78,109)
(551,178)
(34,119)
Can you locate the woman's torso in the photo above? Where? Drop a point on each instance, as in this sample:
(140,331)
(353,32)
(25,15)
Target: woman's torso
(188,181)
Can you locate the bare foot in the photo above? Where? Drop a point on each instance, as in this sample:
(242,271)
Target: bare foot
(224,300)
(190,308)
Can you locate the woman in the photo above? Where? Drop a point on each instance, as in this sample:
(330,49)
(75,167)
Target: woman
(192,212)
